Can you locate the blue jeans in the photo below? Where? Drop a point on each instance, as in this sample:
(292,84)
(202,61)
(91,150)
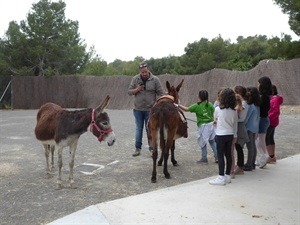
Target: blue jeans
(141,119)
(213,145)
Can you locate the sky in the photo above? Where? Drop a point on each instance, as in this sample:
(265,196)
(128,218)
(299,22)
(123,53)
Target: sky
(124,29)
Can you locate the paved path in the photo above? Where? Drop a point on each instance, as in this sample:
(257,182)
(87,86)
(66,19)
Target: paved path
(264,196)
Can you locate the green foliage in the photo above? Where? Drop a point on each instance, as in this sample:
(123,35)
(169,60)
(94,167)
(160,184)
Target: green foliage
(96,66)
(46,43)
(292,8)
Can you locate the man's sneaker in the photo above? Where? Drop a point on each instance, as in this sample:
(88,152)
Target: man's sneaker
(216,160)
(272,160)
(227,179)
(220,180)
(263,161)
(137,152)
(202,161)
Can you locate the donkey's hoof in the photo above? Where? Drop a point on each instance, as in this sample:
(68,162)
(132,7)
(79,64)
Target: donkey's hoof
(58,186)
(48,175)
(175,164)
(73,186)
(168,176)
(153,179)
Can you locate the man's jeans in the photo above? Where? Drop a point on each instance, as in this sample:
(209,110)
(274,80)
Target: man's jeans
(141,119)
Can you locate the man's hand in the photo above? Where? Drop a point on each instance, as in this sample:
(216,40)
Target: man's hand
(138,89)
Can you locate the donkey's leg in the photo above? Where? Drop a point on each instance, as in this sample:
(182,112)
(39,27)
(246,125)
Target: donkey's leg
(154,153)
(52,148)
(154,157)
(166,156)
(168,145)
(73,147)
(161,159)
(47,150)
(59,164)
(166,149)
(162,144)
(174,162)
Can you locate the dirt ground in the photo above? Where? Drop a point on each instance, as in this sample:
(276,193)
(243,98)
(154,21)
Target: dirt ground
(102,173)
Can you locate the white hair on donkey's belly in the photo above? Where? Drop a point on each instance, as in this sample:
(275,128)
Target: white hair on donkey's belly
(49,142)
(69,140)
(165,134)
(65,142)
(158,133)
(177,136)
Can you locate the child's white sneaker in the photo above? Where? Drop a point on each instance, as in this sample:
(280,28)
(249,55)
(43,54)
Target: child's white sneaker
(227,179)
(220,180)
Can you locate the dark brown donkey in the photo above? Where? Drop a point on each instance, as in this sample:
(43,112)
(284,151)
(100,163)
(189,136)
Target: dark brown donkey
(166,124)
(60,128)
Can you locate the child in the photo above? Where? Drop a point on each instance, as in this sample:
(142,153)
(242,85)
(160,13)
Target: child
(204,113)
(242,136)
(252,125)
(274,112)
(216,103)
(265,90)
(225,120)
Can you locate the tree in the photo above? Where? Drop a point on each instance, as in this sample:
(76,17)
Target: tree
(95,66)
(193,53)
(12,49)
(47,43)
(292,8)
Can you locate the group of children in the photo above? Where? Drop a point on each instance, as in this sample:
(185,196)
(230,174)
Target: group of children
(240,116)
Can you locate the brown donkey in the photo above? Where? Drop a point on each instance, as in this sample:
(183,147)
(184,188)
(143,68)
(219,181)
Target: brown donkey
(58,128)
(166,124)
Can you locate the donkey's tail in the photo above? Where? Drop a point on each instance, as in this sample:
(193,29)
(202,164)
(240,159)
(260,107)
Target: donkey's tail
(161,130)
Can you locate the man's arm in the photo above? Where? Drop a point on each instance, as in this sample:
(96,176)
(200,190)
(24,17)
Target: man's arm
(134,88)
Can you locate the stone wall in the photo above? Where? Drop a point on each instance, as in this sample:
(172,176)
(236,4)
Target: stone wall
(89,91)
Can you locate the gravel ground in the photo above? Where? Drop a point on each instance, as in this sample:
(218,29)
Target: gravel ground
(102,173)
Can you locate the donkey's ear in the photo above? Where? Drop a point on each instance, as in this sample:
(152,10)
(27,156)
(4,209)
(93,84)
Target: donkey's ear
(179,86)
(168,86)
(102,106)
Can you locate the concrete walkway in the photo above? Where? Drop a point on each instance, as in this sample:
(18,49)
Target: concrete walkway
(263,196)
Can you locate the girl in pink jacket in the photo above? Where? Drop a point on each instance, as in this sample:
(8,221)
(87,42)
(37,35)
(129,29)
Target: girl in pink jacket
(274,112)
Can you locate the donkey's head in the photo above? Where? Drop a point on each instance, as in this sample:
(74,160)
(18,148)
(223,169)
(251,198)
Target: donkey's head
(100,124)
(173,91)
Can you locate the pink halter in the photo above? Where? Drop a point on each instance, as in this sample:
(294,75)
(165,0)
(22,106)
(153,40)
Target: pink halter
(101,132)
